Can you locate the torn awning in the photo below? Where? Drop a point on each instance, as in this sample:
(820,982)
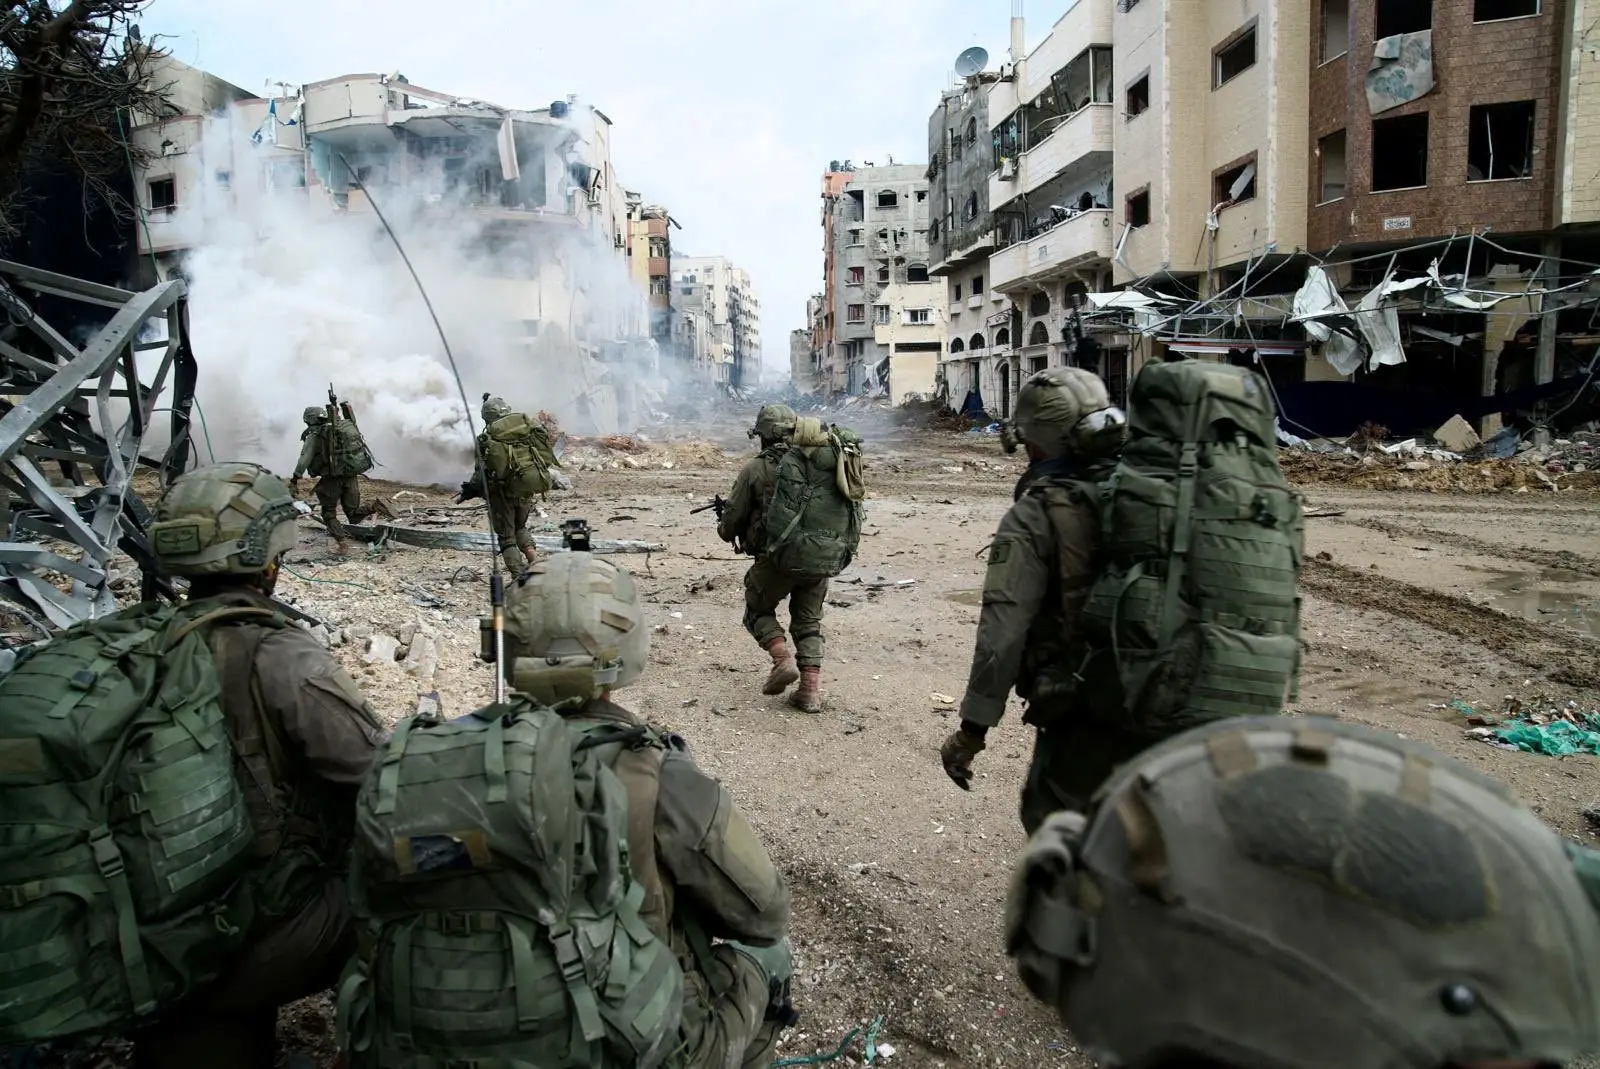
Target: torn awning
(1220,347)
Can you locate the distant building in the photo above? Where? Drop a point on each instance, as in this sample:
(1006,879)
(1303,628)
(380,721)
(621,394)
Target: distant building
(875,276)
(718,320)
(650,263)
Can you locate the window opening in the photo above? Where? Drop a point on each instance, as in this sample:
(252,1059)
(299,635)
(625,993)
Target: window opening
(1139,96)
(1330,150)
(1500,141)
(1235,184)
(1335,28)
(1039,304)
(917,273)
(888,198)
(1139,208)
(1400,152)
(1234,58)
(1403,16)
(163,194)
(1495,10)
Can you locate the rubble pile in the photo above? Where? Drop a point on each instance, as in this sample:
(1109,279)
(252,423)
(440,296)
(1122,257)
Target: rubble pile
(636,453)
(1540,725)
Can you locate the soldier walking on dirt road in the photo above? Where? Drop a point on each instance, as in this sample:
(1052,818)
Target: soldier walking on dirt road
(337,455)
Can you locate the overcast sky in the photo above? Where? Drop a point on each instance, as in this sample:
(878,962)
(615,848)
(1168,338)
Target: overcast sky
(726,112)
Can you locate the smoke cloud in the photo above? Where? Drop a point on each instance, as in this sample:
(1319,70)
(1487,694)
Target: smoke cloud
(289,296)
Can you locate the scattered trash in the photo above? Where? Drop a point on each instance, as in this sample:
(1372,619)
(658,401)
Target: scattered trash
(942,699)
(1540,725)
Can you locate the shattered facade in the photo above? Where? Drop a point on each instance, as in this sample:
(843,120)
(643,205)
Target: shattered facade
(877,281)
(544,202)
(717,320)
(650,229)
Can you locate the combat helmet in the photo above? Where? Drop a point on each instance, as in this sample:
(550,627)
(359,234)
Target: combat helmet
(235,518)
(1067,410)
(1275,893)
(314,415)
(773,421)
(574,629)
(494,408)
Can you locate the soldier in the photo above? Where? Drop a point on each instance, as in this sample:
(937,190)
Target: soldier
(743,524)
(1041,564)
(509,497)
(304,736)
(337,454)
(1309,894)
(695,869)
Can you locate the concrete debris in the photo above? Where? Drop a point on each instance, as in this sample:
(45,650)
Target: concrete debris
(1457,435)
(381,649)
(481,541)
(422,658)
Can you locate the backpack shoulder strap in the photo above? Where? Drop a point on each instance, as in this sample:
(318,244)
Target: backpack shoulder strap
(256,735)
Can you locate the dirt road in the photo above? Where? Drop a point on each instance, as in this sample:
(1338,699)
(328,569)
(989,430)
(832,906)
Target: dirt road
(1415,601)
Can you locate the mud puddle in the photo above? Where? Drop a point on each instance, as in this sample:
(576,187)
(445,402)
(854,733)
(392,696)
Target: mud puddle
(1540,596)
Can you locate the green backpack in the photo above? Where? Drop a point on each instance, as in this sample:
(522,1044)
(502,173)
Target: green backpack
(517,456)
(123,831)
(1196,613)
(502,925)
(343,451)
(814,517)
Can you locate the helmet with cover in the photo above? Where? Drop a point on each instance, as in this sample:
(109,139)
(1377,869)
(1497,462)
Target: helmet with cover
(574,629)
(235,519)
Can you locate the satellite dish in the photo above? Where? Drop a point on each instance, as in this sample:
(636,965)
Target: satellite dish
(972,61)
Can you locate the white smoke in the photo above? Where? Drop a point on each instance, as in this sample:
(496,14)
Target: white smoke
(288,297)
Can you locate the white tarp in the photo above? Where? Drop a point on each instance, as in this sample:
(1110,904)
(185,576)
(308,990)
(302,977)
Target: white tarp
(506,142)
(1379,321)
(1314,304)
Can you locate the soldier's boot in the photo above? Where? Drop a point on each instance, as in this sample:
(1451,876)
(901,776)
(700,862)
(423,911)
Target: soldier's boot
(807,697)
(531,553)
(783,671)
(341,547)
(516,564)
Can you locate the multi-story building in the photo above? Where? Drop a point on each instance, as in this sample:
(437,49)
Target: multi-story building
(875,275)
(543,212)
(805,350)
(650,263)
(961,236)
(718,317)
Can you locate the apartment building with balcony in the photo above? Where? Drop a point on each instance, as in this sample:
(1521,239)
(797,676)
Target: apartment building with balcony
(718,320)
(875,271)
(650,229)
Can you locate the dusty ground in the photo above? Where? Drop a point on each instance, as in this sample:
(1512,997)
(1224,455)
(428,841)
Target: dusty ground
(1417,600)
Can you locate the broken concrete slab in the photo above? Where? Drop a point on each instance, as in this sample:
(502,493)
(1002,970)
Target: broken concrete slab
(422,660)
(1457,435)
(380,649)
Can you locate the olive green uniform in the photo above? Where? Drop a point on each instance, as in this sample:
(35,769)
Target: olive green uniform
(304,737)
(332,491)
(508,517)
(696,825)
(1041,564)
(765,587)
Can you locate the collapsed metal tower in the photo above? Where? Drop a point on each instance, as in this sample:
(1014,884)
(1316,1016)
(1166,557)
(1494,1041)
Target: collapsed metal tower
(68,454)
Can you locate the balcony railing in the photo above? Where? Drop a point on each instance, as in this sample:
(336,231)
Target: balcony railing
(1077,241)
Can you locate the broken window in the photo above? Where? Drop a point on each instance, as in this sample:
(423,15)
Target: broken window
(1237,183)
(922,195)
(883,275)
(972,131)
(1139,208)
(855,236)
(1039,335)
(977,285)
(1500,141)
(855,313)
(857,276)
(1400,152)
(1494,10)
(883,235)
(957,345)
(1233,57)
(1002,338)
(1139,96)
(956,296)
(225,179)
(969,210)
(880,314)
(919,316)
(917,273)
(1330,151)
(1039,304)
(888,198)
(1403,16)
(975,342)
(163,194)
(1335,28)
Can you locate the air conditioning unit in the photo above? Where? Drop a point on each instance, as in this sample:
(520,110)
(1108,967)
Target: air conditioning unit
(1008,169)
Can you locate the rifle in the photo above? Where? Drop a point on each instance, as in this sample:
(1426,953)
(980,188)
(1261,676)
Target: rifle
(469,490)
(718,503)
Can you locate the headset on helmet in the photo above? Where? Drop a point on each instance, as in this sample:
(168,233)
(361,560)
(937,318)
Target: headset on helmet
(574,629)
(233,518)
(494,408)
(1067,410)
(773,421)
(1273,892)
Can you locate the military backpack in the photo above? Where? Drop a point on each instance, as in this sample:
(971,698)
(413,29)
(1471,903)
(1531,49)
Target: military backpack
(1195,615)
(814,517)
(124,835)
(341,451)
(501,916)
(517,456)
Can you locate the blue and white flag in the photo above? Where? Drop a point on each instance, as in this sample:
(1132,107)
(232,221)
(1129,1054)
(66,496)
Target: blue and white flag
(267,132)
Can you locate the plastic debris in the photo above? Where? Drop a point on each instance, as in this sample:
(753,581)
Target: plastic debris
(1539,725)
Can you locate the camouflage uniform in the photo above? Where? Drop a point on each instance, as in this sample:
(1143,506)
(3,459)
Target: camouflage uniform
(1041,563)
(704,871)
(304,737)
(332,491)
(508,515)
(1309,894)
(743,523)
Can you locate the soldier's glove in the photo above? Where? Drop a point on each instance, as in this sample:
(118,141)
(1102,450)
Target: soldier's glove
(777,962)
(294,486)
(957,754)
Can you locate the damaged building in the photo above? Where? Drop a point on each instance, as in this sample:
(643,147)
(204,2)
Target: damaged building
(1390,207)
(717,321)
(882,321)
(549,222)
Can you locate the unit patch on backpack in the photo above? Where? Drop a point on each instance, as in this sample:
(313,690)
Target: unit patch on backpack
(815,515)
(125,834)
(517,456)
(1196,615)
(503,928)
